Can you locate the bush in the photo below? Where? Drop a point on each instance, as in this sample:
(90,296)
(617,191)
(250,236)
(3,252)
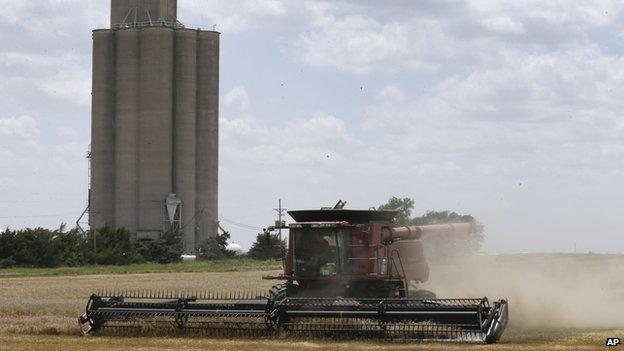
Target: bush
(66,249)
(113,246)
(32,247)
(7,243)
(7,263)
(267,247)
(41,247)
(167,249)
(215,248)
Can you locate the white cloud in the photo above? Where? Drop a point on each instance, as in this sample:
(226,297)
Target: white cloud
(556,87)
(47,58)
(71,86)
(24,127)
(353,43)
(72,150)
(272,8)
(318,140)
(65,131)
(392,93)
(319,130)
(238,98)
(245,126)
(504,24)
(426,38)
(542,116)
(238,16)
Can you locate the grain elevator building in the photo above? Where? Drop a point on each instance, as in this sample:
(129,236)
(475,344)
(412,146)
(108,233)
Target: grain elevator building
(154,136)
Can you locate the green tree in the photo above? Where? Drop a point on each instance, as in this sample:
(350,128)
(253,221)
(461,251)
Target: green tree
(215,247)
(438,246)
(441,217)
(449,245)
(41,247)
(32,248)
(7,245)
(113,246)
(267,247)
(403,205)
(167,249)
(67,248)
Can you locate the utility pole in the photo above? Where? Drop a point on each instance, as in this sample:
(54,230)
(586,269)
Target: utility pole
(93,232)
(280,211)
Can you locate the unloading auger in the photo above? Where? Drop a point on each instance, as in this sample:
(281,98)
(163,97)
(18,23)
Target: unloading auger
(347,274)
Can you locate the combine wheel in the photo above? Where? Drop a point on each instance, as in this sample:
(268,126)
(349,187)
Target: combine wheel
(380,316)
(181,321)
(277,294)
(281,291)
(269,322)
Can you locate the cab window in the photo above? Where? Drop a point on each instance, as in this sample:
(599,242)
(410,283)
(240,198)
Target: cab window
(316,251)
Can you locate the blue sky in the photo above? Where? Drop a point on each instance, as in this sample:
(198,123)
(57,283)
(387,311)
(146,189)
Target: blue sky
(510,111)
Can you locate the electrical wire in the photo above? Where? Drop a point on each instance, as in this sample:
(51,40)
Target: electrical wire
(39,216)
(39,201)
(240,225)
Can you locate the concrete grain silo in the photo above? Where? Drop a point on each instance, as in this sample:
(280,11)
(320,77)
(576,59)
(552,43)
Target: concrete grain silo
(185,124)
(128,79)
(155,126)
(154,152)
(101,196)
(207,132)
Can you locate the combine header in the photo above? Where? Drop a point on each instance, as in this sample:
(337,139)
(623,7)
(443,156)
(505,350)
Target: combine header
(347,274)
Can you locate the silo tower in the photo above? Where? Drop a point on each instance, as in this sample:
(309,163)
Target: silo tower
(154,136)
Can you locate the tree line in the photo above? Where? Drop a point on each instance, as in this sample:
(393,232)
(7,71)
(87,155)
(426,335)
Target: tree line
(442,247)
(41,247)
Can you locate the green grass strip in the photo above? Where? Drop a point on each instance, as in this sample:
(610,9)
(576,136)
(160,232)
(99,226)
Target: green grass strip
(224,265)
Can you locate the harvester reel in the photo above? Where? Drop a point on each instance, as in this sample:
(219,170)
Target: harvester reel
(248,314)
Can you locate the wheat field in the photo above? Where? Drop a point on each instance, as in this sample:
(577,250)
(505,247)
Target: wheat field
(561,312)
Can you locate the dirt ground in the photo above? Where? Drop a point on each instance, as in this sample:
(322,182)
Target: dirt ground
(563,340)
(557,302)
(50,305)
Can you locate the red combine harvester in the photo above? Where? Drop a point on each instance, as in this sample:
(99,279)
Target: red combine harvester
(347,273)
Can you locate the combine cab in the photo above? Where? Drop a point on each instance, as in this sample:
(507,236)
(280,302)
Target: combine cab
(347,274)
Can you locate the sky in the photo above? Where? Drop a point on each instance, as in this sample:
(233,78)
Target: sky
(509,111)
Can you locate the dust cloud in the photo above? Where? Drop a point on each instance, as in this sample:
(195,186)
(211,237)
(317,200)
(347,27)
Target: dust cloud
(543,290)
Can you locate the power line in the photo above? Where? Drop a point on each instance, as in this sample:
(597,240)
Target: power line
(39,216)
(38,201)
(241,225)
(263,213)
